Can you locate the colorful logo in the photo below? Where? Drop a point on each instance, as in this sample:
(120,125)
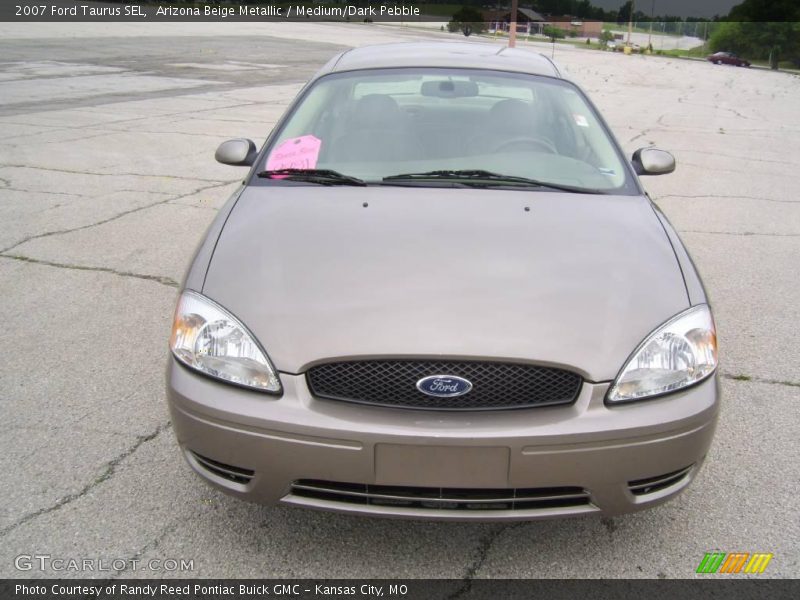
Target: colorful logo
(734,562)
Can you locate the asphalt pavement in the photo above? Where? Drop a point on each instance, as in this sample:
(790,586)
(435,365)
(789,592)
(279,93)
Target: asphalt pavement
(107,182)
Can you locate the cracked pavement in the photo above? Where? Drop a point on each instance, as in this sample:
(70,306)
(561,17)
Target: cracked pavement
(107,182)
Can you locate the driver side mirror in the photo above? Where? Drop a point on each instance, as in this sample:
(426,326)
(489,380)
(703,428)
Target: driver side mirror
(239,152)
(652,161)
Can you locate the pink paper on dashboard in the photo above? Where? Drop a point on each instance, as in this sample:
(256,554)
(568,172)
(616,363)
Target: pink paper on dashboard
(295,153)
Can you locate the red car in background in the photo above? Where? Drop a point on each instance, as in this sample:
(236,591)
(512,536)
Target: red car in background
(727,58)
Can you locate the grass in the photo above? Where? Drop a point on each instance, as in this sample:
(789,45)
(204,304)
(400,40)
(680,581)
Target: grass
(785,65)
(702,52)
(696,52)
(624,27)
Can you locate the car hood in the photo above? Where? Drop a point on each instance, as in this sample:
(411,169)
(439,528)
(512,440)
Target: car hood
(322,273)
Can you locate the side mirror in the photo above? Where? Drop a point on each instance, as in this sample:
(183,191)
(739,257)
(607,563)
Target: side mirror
(652,161)
(238,153)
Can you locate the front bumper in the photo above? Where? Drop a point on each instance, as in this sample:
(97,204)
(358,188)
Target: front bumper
(266,449)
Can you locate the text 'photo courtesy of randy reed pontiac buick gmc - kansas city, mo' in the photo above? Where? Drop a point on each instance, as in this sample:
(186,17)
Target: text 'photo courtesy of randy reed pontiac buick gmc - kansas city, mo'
(442,292)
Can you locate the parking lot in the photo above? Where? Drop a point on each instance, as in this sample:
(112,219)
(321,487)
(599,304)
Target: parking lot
(107,182)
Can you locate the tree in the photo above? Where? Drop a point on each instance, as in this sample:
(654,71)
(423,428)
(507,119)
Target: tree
(758,40)
(583,9)
(624,13)
(467,19)
(772,11)
(761,30)
(554,33)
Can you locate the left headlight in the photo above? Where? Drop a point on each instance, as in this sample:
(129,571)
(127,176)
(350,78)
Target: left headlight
(682,352)
(207,338)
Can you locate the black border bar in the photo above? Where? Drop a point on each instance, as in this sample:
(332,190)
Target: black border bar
(733,587)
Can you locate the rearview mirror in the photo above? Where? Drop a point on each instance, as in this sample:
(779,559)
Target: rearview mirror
(449,89)
(240,152)
(652,161)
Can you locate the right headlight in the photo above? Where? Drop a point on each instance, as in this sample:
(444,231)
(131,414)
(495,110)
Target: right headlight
(208,339)
(682,352)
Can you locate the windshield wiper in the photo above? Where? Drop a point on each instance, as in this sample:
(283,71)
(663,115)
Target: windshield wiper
(320,176)
(482,177)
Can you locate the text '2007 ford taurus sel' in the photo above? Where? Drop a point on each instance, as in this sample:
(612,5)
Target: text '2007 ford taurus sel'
(441,292)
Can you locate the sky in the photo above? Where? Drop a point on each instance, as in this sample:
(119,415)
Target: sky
(683,8)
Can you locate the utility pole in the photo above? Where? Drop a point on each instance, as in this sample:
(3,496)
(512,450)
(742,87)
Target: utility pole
(630,21)
(512,32)
(650,35)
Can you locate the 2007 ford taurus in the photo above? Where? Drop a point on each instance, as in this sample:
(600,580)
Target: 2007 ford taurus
(442,293)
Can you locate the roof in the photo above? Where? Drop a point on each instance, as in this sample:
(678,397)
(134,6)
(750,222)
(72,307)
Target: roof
(524,15)
(464,55)
(531,14)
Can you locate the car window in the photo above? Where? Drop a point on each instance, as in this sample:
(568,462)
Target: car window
(373,124)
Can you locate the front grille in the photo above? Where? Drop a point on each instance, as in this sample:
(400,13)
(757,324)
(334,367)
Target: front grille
(229,472)
(640,487)
(441,498)
(494,385)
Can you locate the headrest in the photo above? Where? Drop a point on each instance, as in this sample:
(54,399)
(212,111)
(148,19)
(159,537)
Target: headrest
(511,114)
(377,110)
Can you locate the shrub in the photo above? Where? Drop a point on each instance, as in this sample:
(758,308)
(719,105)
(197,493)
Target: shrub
(554,33)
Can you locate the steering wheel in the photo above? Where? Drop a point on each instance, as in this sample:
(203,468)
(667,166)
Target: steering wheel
(523,142)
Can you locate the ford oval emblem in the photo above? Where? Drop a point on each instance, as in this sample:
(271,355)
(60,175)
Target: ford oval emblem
(444,386)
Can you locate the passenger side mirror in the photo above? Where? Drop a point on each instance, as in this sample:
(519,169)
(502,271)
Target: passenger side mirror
(652,161)
(240,152)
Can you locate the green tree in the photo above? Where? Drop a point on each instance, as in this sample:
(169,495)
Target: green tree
(758,40)
(467,18)
(554,33)
(772,11)
(624,13)
(761,30)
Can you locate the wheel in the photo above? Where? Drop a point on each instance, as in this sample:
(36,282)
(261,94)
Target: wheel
(541,143)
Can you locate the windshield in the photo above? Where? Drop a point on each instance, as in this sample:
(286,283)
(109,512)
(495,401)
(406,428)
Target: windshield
(438,124)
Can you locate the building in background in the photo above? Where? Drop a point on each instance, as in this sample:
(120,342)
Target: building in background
(530,22)
(576,27)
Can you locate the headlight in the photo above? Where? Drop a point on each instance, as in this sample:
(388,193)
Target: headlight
(681,352)
(207,338)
